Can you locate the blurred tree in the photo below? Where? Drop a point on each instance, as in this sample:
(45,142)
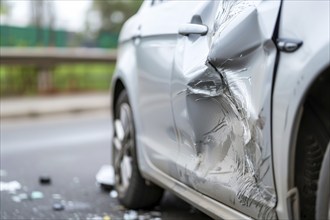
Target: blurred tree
(4,7)
(113,13)
(43,16)
(37,15)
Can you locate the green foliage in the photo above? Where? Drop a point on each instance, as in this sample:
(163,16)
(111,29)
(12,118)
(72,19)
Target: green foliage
(83,77)
(23,80)
(18,80)
(107,8)
(4,7)
(37,37)
(32,36)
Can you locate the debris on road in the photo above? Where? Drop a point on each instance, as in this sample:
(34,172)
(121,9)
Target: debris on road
(20,197)
(113,194)
(57,196)
(130,215)
(97,217)
(134,215)
(11,187)
(144,216)
(106,217)
(58,207)
(23,196)
(16,198)
(105,177)
(37,195)
(75,205)
(44,180)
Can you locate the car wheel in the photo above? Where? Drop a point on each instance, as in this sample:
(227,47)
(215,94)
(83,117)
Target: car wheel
(323,191)
(134,191)
(313,139)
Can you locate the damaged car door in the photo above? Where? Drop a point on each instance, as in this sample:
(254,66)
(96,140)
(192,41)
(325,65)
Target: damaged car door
(221,88)
(155,51)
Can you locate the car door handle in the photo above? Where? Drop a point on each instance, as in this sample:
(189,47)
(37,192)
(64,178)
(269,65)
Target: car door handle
(187,29)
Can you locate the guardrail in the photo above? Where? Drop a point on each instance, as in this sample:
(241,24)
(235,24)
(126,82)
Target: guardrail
(53,56)
(45,59)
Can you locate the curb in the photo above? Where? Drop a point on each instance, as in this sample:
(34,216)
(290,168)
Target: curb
(39,106)
(36,113)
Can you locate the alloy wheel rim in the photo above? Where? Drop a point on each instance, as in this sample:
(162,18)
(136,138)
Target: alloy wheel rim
(123,143)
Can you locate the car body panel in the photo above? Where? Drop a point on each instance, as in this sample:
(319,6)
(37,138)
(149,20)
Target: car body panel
(221,92)
(172,162)
(309,22)
(154,53)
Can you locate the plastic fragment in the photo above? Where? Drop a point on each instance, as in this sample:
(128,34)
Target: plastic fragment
(145,216)
(16,198)
(37,195)
(23,196)
(56,196)
(113,194)
(131,215)
(12,186)
(106,176)
(44,180)
(75,206)
(106,217)
(58,207)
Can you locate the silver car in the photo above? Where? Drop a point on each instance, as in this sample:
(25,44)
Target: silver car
(226,104)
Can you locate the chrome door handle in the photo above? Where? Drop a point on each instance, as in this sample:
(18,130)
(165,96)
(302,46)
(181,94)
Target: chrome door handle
(187,29)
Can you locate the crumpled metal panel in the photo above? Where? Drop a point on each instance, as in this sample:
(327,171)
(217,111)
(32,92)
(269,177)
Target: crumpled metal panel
(221,107)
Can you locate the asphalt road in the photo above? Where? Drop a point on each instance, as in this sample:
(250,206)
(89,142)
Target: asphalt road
(70,149)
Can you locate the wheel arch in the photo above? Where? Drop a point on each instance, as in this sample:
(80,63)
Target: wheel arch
(312,87)
(293,83)
(315,86)
(118,87)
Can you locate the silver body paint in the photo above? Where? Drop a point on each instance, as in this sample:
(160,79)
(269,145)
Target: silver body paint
(202,105)
(296,73)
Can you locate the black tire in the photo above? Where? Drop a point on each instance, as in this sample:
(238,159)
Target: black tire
(139,193)
(312,142)
(323,191)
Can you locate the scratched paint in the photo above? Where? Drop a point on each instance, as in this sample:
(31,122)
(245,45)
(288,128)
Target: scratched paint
(221,108)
